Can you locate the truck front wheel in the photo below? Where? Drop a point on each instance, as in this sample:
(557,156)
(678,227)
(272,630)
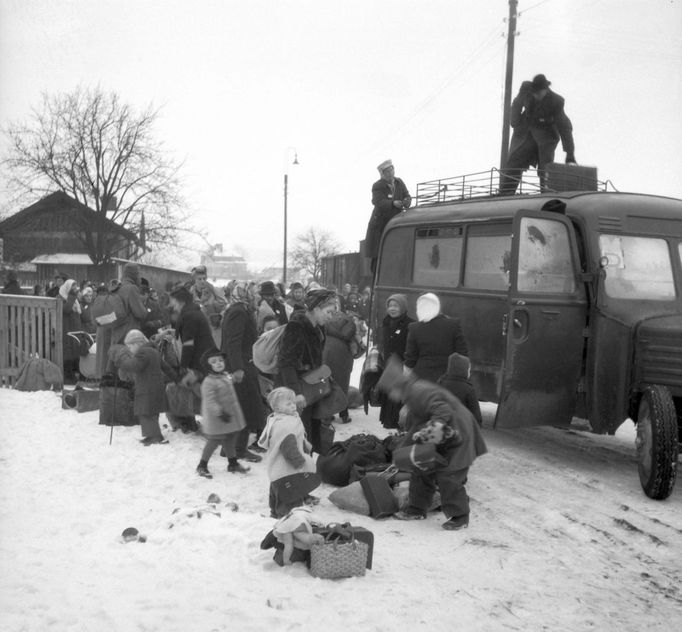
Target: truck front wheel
(656,442)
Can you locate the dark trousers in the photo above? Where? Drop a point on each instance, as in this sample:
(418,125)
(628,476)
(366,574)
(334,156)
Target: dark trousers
(149,425)
(450,484)
(521,158)
(227,444)
(279,508)
(312,428)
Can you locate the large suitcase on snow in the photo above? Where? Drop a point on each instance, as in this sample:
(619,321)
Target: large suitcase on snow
(382,502)
(571,177)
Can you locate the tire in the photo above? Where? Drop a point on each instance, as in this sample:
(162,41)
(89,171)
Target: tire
(657,446)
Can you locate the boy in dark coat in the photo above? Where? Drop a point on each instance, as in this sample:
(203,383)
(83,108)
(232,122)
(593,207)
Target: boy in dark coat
(456,380)
(141,358)
(436,416)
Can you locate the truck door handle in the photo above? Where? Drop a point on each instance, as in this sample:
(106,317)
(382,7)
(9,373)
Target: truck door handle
(518,323)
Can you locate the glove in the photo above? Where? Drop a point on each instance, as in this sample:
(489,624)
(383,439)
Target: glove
(570,159)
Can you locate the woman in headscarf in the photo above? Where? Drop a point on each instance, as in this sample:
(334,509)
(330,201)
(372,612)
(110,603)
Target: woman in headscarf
(393,340)
(71,321)
(431,340)
(238,335)
(301,351)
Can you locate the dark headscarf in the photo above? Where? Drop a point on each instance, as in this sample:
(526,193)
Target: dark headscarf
(318,298)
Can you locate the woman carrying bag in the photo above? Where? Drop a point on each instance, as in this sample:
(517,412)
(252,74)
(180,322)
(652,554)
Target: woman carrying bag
(300,353)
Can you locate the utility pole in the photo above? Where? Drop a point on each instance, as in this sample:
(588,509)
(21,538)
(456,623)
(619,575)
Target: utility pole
(508,82)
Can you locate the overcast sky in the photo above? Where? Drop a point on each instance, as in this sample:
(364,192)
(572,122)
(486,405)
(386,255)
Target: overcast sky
(348,84)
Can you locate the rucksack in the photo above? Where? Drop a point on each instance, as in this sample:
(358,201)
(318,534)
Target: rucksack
(266,350)
(108,310)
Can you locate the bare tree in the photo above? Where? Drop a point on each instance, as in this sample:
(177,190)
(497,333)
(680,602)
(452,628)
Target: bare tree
(311,247)
(97,149)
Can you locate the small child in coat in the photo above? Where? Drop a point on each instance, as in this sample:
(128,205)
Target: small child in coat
(221,415)
(291,469)
(140,358)
(456,380)
(295,531)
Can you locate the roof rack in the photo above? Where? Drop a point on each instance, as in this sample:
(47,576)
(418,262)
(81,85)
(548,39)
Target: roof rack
(482,184)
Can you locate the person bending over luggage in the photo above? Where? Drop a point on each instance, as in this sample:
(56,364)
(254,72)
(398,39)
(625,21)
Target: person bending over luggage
(140,357)
(288,462)
(221,416)
(436,416)
(295,532)
(456,380)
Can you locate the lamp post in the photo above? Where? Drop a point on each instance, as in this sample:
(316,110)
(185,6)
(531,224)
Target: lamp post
(286,193)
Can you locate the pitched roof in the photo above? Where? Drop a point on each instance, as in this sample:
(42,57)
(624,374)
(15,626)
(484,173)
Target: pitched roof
(33,214)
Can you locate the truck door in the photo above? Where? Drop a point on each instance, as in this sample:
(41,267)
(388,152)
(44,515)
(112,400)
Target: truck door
(544,325)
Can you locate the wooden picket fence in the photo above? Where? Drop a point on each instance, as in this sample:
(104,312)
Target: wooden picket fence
(30,326)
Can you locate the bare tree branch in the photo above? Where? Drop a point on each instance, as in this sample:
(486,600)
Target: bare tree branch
(311,247)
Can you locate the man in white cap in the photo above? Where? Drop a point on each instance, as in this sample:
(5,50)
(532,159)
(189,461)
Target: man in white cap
(389,197)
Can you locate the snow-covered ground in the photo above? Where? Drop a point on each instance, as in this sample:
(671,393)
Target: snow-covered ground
(561,538)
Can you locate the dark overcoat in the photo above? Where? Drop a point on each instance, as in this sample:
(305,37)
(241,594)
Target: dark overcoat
(300,350)
(427,402)
(238,336)
(71,321)
(136,310)
(150,387)
(464,391)
(429,344)
(393,340)
(383,212)
(337,354)
(194,331)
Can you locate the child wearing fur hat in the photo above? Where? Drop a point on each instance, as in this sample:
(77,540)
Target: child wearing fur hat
(456,380)
(288,454)
(221,416)
(140,358)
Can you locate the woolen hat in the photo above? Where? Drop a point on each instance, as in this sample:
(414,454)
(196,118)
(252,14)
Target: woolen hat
(401,299)
(319,298)
(210,353)
(458,365)
(133,336)
(267,288)
(385,165)
(540,82)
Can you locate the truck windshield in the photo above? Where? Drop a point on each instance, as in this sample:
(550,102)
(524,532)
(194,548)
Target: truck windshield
(637,267)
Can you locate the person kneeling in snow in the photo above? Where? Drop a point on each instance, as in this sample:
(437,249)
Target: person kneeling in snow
(295,532)
(436,416)
(221,415)
(291,469)
(140,357)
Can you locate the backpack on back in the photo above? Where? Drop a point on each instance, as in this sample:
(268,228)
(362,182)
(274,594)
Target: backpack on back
(108,310)
(266,350)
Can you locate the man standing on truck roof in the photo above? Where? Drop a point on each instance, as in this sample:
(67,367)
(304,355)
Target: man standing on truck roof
(389,197)
(539,121)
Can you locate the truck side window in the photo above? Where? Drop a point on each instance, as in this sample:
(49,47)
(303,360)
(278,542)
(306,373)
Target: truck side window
(437,256)
(395,263)
(488,256)
(545,260)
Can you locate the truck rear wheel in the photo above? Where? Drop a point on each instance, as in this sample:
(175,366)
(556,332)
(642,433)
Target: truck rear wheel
(656,442)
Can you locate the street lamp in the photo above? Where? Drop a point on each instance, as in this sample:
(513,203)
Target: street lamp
(287,153)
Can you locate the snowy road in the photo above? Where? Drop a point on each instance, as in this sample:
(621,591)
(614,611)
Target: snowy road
(561,538)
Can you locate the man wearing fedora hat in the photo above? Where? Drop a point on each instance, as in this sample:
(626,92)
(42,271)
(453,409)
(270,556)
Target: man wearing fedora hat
(389,197)
(539,121)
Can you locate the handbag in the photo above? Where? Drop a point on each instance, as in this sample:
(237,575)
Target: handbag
(336,558)
(316,384)
(419,457)
(296,486)
(331,404)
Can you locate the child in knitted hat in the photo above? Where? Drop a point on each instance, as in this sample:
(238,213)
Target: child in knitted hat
(456,380)
(140,358)
(221,415)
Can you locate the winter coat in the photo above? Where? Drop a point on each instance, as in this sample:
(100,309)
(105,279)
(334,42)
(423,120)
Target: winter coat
(194,332)
(337,352)
(300,350)
(156,317)
(71,321)
(150,387)
(383,212)
(284,439)
(136,311)
(220,411)
(394,336)
(429,344)
(87,321)
(429,403)
(238,336)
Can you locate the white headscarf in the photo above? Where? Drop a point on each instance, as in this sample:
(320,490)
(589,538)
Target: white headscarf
(65,289)
(428,307)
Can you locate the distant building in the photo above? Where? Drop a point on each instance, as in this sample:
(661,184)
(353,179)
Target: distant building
(220,266)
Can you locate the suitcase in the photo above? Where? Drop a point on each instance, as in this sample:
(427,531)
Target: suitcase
(382,503)
(561,177)
(361,534)
(81,399)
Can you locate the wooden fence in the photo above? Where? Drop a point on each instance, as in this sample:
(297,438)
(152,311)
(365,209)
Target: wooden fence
(30,326)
